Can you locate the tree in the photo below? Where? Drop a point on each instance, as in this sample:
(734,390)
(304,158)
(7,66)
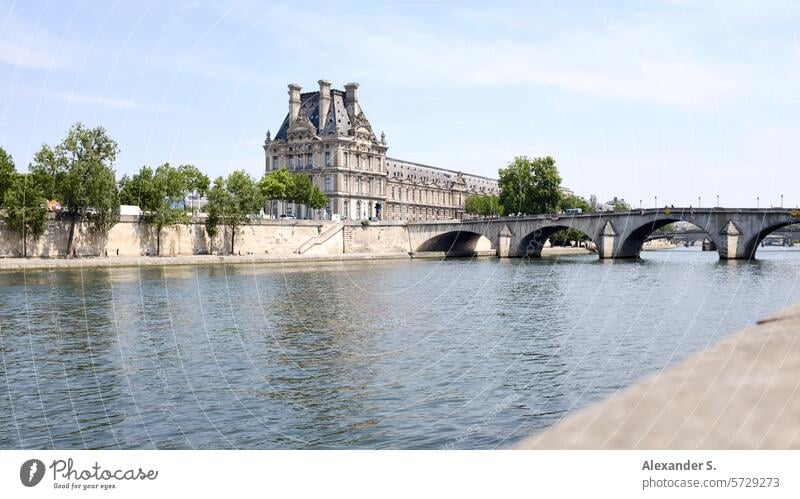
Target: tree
(26,208)
(547,185)
(593,202)
(138,189)
(78,172)
(280,185)
(275,185)
(516,182)
(302,191)
(160,195)
(231,201)
(572,202)
(486,206)
(7,173)
(316,199)
(530,186)
(197,183)
(563,237)
(620,204)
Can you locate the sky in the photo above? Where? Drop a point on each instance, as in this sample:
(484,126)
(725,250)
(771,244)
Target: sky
(672,99)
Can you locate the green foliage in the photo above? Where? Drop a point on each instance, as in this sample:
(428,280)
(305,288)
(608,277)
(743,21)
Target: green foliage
(26,208)
(138,189)
(593,202)
(564,236)
(196,182)
(571,202)
(231,201)
(160,195)
(281,185)
(483,205)
(316,199)
(530,186)
(78,172)
(275,185)
(7,173)
(620,204)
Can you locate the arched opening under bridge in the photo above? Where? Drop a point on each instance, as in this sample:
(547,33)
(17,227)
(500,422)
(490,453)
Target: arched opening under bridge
(556,235)
(457,244)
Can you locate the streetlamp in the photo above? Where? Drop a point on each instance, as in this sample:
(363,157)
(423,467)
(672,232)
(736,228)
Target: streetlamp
(758,202)
(717,200)
(656,202)
(640,204)
(781,200)
(698,201)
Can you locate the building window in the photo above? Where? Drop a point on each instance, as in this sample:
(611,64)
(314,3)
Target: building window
(291,162)
(369,163)
(275,162)
(327,158)
(328,183)
(358,185)
(345,187)
(309,160)
(380,187)
(369,186)
(346,210)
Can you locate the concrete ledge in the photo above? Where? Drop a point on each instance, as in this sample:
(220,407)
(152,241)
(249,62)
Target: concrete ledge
(452,254)
(56,263)
(742,393)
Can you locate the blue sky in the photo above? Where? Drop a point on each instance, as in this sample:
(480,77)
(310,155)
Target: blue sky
(668,98)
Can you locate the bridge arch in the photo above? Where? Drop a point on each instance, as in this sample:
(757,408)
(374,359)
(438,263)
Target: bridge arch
(633,239)
(533,243)
(752,245)
(457,243)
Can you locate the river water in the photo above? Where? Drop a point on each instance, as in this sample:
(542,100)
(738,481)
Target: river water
(461,353)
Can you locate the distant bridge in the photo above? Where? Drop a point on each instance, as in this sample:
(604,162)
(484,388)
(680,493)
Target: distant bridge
(736,232)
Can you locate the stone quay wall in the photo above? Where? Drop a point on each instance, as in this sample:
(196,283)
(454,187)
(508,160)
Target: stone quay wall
(132,237)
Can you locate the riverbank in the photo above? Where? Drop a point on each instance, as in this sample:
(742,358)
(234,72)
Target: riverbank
(144,261)
(565,250)
(738,394)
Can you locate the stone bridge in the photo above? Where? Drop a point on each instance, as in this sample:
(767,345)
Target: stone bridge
(736,232)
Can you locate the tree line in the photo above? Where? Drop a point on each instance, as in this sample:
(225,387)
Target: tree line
(533,187)
(78,175)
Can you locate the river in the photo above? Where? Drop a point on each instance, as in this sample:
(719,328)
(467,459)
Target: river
(460,353)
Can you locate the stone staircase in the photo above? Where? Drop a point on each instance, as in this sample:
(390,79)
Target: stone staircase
(321,238)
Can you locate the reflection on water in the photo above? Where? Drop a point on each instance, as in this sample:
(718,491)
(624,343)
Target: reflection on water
(399,354)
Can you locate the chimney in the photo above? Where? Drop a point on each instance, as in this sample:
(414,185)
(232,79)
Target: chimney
(294,102)
(351,99)
(324,102)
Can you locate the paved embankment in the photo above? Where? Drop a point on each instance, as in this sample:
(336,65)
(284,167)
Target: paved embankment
(742,393)
(138,261)
(55,263)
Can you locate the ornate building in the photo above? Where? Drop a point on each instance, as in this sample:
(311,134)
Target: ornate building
(326,136)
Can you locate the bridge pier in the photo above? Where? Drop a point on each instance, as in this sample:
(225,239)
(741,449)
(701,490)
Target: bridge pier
(504,242)
(608,238)
(729,249)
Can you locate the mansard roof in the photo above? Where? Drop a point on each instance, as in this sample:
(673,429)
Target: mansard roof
(339,121)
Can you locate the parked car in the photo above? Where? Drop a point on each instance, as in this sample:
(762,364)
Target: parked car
(288,216)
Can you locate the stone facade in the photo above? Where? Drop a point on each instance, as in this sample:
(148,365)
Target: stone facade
(327,136)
